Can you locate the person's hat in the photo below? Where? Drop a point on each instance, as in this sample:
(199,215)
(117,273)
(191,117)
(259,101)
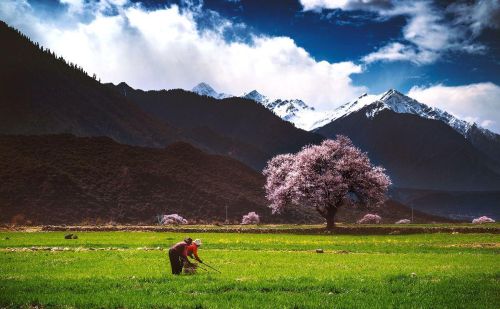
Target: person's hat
(197,242)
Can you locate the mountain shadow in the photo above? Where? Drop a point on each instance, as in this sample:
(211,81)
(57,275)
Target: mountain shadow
(417,152)
(63,179)
(41,93)
(237,127)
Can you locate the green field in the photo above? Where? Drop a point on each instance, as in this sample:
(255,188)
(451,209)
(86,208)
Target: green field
(131,269)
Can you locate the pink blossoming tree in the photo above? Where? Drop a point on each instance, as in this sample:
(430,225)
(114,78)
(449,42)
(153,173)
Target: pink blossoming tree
(325,177)
(370,219)
(172,219)
(482,220)
(250,218)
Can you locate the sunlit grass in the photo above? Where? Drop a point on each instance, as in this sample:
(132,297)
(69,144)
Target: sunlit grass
(258,270)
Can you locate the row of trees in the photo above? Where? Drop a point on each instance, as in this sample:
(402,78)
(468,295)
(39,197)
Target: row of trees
(52,54)
(175,219)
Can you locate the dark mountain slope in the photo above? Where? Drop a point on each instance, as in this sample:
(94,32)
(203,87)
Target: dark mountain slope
(64,179)
(68,179)
(417,152)
(487,142)
(42,94)
(246,130)
(460,205)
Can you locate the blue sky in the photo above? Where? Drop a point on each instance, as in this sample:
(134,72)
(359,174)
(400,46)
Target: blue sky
(337,35)
(325,52)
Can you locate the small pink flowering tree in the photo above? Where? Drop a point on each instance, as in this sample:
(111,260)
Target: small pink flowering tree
(250,218)
(482,220)
(325,177)
(172,219)
(370,219)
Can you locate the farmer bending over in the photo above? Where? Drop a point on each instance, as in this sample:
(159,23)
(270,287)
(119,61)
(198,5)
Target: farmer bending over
(192,249)
(178,255)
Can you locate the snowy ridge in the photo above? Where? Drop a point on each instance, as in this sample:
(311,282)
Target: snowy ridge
(400,103)
(257,97)
(307,118)
(207,90)
(397,102)
(293,110)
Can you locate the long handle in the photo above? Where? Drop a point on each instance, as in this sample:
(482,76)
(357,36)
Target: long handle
(212,267)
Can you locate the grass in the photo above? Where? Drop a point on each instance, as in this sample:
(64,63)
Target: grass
(112,269)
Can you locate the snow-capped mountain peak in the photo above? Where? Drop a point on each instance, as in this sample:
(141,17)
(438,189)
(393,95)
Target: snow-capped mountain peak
(257,97)
(204,89)
(400,103)
(309,119)
(288,109)
(207,90)
(305,117)
(294,110)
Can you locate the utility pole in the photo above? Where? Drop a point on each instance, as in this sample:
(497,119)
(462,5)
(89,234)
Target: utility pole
(226,222)
(411,213)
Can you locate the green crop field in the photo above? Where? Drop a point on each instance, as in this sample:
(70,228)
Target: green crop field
(131,270)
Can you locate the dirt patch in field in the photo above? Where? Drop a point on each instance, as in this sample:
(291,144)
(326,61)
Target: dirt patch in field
(479,245)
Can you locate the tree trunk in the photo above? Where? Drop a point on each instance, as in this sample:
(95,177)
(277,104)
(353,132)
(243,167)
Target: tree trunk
(330,218)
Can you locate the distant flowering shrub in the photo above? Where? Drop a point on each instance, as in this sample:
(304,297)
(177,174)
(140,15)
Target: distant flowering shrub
(250,218)
(403,221)
(172,219)
(482,220)
(370,219)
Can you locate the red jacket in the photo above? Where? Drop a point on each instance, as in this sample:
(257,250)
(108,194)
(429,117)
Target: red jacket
(193,249)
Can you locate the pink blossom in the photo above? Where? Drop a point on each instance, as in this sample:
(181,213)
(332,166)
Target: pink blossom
(172,219)
(403,221)
(370,219)
(250,218)
(325,177)
(482,220)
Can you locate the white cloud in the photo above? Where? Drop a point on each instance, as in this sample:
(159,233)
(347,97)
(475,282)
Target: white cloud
(478,16)
(398,52)
(74,6)
(317,5)
(165,48)
(428,33)
(475,102)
